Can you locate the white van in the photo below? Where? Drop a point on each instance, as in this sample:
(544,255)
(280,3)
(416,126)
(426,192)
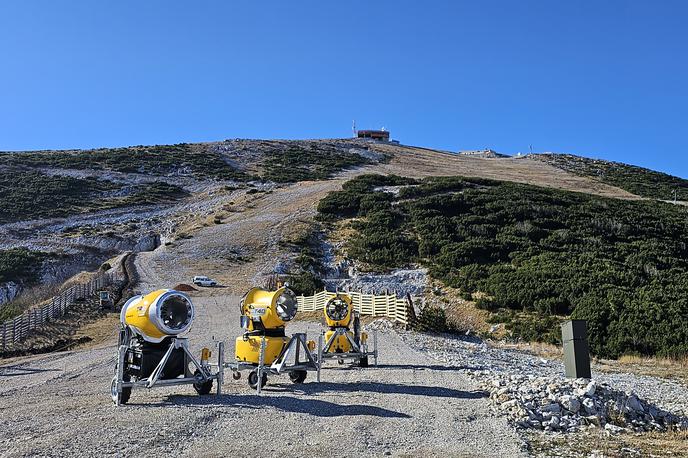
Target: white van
(200,280)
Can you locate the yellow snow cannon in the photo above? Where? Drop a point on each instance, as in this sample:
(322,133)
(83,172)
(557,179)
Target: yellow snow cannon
(264,348)
(152,351)
(343,337)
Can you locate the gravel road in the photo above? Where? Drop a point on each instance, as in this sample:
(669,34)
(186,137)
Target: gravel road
(59,405)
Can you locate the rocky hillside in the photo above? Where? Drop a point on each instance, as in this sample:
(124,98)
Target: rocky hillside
(74,209)
(495,246)
(70,210)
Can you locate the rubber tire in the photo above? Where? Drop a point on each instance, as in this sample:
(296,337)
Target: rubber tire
(123,396)
(363,362)
(203,388)
(253,380)
(298,376)
(357,330)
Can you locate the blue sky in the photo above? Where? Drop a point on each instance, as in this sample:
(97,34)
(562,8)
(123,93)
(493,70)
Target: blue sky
(601,79)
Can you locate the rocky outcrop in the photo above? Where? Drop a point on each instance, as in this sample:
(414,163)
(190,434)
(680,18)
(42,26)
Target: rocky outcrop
(8,291)
(400,282)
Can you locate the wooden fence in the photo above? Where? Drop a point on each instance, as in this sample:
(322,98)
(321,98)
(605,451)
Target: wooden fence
(17,329)
(387,305)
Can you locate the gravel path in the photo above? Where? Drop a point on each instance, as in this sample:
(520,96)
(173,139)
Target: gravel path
(59,404)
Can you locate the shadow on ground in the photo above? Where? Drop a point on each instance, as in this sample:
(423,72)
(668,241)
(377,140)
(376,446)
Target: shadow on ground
(376,387)
(16,371)
(314,407)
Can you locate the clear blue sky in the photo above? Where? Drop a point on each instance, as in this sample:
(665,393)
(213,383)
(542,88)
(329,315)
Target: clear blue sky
(603,79)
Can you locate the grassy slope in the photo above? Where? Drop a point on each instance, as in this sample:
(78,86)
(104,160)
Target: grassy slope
(28,194)
(157,160)
(637,180)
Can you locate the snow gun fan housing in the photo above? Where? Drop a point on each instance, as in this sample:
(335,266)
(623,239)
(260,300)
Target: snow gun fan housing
(343,336)
(339,311)
(264,315)
(152,351)
(157,315)
(340,316)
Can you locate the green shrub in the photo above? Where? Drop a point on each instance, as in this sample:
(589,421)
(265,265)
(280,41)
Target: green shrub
(432,319)
(636,180)
(312,163)
(29,194)
(20,265)
(308,268)
(305,283)
(621,265)
(161,160)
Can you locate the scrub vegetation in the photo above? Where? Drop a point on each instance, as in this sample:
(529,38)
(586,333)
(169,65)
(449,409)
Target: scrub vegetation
(20,265)
(26,195)
(295,163)
(304,279)
(637,180)
(537,255)
(160,160)
(314,163)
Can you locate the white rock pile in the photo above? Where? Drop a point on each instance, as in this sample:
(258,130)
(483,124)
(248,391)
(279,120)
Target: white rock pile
(525,388)
(558,404)
(381,324)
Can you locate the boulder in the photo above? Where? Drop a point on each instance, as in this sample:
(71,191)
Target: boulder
(570,403)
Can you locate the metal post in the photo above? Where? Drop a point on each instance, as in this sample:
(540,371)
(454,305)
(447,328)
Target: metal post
(158,369)
(261,359)
(375,345)
(220,366)
(320,349)
(120,370)
(576,351)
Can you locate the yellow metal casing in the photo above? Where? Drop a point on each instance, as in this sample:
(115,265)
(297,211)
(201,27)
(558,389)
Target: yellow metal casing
(259,304)
(143,314)
(346,320)
(311,345)
(248,349)
(340,344)
(205,354)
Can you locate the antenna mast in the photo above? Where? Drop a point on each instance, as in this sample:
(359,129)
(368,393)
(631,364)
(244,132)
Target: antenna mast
(353,128)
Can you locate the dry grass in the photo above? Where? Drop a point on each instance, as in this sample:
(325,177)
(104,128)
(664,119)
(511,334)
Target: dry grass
(540,349)
(667,368)
(35,295)
(421,162)
(100,332)
(461,314)
(597,442)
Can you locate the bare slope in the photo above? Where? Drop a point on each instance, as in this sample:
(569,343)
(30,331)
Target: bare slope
(422,162)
